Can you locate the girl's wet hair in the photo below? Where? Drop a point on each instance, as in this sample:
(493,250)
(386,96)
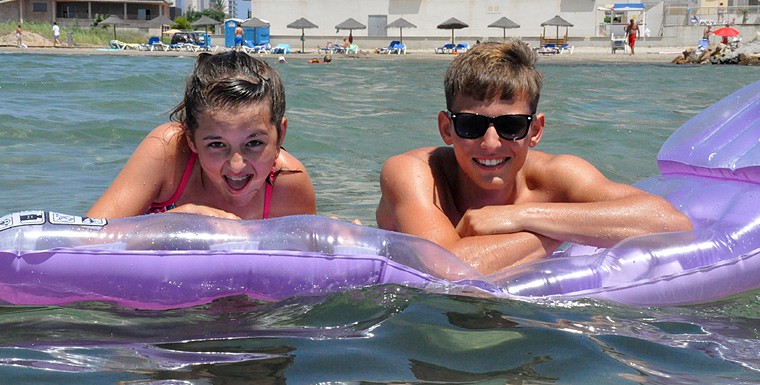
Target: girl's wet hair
(227,81)
(495,70)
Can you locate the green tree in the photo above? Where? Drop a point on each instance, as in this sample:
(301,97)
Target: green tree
(219,7)
(181,22)
(744,14)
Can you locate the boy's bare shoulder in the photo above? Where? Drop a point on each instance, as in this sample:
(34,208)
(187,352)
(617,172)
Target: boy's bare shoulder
(427,155)
(559,162)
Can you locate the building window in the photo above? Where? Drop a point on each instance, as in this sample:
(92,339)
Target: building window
(39,7)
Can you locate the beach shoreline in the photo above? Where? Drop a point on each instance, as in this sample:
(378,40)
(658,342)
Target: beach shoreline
(644,55)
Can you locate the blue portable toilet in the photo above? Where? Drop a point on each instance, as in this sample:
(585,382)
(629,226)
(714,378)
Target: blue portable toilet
(255,35)
(229,32)
(261,35)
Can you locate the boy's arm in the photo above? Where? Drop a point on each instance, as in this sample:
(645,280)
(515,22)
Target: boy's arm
(590,209)
(411,204)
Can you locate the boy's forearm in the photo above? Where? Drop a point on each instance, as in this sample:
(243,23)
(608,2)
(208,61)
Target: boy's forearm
(604,224)
(491,253)
(601,224)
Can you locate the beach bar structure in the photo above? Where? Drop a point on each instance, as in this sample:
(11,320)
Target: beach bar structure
(83,12)
(427,15)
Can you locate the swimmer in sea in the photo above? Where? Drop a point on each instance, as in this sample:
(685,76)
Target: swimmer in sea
(488,196)
(221,155)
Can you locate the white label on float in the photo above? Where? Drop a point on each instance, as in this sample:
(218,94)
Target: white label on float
(22,218)
(65,219)
(38,217)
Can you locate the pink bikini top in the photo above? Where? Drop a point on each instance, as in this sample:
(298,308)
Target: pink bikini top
(169,204)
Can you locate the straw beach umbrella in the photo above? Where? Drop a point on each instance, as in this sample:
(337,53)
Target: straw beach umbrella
(350,24)
(254,23)
(558,22)
(302,24)
(504,23)
(204,21)
(113,20)
(400,23)
(452,24)
(162,21)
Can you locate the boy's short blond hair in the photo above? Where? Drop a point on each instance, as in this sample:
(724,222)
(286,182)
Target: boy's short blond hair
(493,70)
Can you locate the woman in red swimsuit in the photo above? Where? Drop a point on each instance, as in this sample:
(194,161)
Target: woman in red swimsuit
(221,153)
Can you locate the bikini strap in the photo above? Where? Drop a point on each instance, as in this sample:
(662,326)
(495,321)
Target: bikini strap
(268,191)
(180,189)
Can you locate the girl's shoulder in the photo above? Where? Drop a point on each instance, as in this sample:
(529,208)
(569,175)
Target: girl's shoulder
(168,138)
(287,162)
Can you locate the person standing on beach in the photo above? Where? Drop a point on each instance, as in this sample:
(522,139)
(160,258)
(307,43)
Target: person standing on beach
(19,36)
(221,155)
(491,199)
(56,34)
(632,32)
(721,12)
(239,37)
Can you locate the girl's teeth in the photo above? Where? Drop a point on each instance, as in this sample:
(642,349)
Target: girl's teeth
(237,183)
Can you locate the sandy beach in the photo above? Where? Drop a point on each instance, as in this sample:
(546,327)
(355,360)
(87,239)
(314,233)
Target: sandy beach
(643,54)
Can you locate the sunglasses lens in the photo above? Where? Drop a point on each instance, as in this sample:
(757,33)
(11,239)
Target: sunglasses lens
(512,127)
(470,126)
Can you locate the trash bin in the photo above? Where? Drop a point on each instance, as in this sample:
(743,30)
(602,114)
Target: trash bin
(70,39)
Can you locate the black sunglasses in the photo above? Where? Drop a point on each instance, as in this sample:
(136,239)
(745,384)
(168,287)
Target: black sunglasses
(472,126)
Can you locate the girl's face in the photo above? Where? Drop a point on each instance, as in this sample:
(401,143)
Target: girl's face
(236,149)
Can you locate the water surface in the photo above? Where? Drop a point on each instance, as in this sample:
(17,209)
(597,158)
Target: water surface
(69,123)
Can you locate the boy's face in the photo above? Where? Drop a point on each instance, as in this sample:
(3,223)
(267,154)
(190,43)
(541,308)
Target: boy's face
(490,161)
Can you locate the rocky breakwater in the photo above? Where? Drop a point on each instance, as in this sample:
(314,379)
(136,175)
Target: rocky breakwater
(743,54)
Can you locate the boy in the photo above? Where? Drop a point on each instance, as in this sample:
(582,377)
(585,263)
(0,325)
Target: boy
(492,200)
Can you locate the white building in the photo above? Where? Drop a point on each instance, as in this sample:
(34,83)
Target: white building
(427,14)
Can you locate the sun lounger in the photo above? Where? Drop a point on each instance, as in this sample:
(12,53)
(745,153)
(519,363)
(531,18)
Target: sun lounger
(250,48)
(394,47)
(618,43)
(154,44)
(446,48)
(330,48)
(118,44)
(548,49)
(461,48)
(281,49)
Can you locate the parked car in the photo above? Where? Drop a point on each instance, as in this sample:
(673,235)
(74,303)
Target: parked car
(185,37)
(201,37)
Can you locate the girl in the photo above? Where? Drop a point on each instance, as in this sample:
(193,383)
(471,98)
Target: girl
(222,153)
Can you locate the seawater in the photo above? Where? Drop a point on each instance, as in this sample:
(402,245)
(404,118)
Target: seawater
(69,123)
